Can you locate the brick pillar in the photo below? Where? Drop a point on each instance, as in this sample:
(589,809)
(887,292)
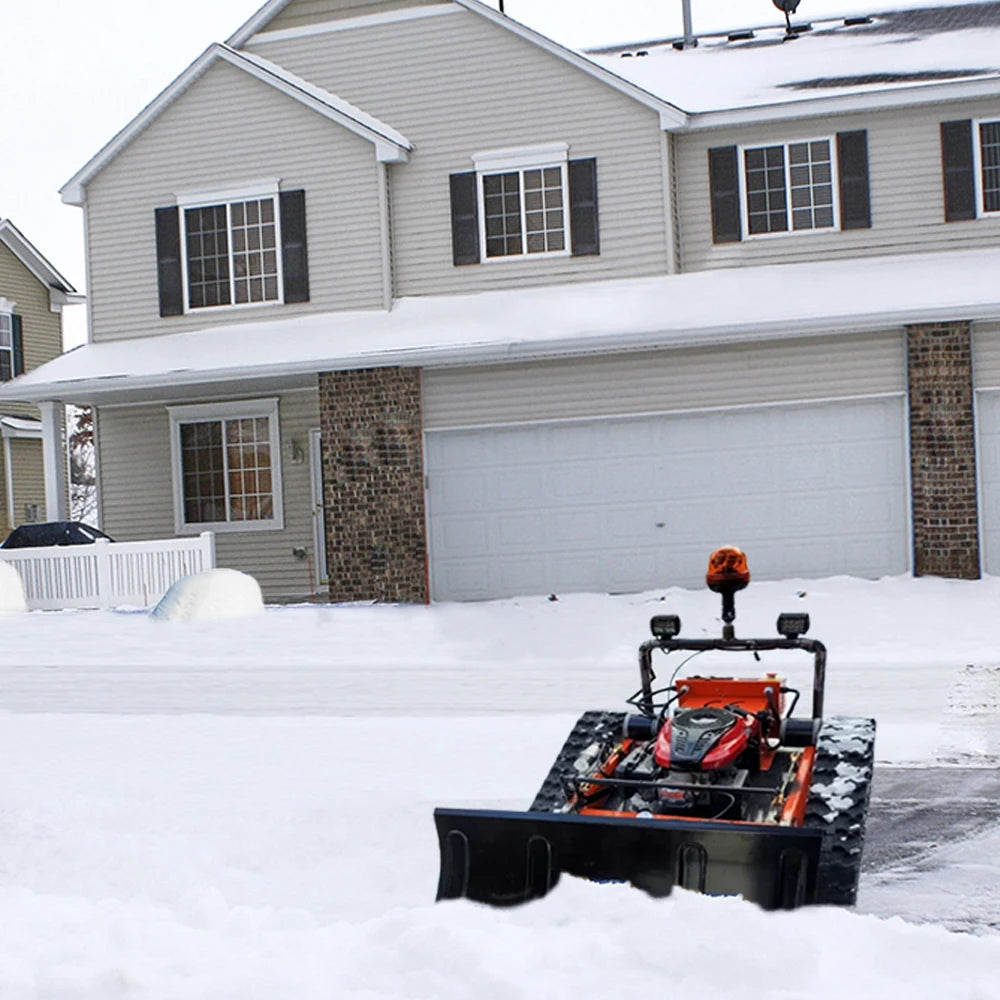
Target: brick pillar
(373,484)
(943,450)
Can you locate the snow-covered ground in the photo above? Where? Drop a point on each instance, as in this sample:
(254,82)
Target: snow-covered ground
(242,808)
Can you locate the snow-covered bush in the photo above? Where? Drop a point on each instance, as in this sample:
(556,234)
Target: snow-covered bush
(11,590)
(212,595)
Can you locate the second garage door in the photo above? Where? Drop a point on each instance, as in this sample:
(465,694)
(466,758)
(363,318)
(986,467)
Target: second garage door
(627,504)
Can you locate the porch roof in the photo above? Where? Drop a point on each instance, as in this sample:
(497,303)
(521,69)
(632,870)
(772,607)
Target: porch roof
(573,319)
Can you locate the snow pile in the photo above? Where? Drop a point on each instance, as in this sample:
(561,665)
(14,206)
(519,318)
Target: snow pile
(11,590)
(214,595)
(246,811)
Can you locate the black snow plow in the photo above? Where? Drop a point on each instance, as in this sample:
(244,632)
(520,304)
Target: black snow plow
(711,785)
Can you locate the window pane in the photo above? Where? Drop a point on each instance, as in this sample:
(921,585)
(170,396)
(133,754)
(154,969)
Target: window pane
(989,138)
(502,214)
(812,188)
(6,366)
(255,252)
(765,184)
(202,472)
(207,246)
(248,452)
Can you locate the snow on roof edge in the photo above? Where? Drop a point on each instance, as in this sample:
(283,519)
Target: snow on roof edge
(609,316)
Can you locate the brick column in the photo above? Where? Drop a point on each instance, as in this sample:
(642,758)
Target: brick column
(943,450)
(373,484)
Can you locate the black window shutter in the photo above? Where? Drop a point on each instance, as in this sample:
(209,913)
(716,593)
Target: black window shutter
(464,218)
(855,198)
(583,207)
(17,340)
(294,255)
(959,183)
(168,261)
(724,181)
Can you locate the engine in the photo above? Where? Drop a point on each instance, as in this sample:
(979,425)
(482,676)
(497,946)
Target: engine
(677,771)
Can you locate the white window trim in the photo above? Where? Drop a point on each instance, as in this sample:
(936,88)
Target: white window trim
(745,202)
(977,167)
(235,409)
(254,190)
(521,158)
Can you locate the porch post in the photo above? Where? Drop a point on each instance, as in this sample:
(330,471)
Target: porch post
(54,461)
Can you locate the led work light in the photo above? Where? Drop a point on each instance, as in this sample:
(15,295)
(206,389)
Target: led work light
(792,625)
(665,626)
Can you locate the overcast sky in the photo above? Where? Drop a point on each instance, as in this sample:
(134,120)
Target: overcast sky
(74,72)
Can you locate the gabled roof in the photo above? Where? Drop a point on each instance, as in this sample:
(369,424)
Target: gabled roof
(391,146)
(834,64)
(61,292)
(669,114)
(700,308)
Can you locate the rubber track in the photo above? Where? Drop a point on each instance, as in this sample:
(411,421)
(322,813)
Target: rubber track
(591,727)
(838,804)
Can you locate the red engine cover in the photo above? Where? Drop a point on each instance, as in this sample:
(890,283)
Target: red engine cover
(722,753)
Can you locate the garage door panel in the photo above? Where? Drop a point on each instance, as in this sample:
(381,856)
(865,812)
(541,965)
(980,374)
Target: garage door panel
(631,504)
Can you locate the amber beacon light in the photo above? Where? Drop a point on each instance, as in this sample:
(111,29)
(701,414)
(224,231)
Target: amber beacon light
(727,573)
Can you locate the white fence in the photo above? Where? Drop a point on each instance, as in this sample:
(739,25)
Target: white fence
(107,574)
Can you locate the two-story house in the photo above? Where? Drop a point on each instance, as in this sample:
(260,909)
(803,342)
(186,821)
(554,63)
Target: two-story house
(32,296)
(409,297)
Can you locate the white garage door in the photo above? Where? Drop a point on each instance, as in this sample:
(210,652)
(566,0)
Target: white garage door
(988,431)
(634,504)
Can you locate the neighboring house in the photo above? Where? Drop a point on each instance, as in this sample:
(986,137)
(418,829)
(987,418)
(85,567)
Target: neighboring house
(412,298)
(32,295)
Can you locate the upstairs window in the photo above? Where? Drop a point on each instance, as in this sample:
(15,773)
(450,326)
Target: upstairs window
(528,202)
(789,187)
(524,211)
(989,166)
(6,347)
(11,347)
(803,186)
(232,249)
(231,253)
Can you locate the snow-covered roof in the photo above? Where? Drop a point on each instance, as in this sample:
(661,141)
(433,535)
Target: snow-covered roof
(391,146)
(923,54)
(705,307)
(61,292)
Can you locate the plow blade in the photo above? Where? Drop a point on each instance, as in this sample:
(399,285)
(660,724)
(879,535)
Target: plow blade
(505,858)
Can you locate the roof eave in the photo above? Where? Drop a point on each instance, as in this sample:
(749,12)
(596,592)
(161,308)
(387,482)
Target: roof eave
(105,388)
(905,95)
(60,290)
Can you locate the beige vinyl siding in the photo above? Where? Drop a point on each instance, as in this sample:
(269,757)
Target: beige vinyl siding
(229,129)
(986,354)
(141,507)
(29,479)
(664,381)
(309,12)
(41,328)
(457,85)
(907,201)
